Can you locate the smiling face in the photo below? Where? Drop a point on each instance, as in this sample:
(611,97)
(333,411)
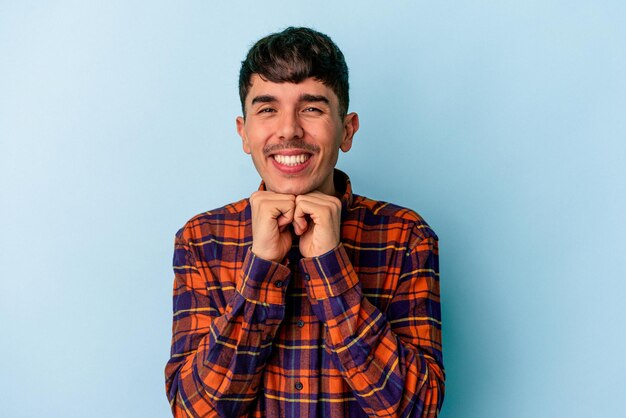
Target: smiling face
(293,133)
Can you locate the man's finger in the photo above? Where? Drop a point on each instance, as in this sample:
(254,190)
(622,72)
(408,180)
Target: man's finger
(315,202)
(285,217)
(316,209)
(300,221)
(318,197)
(275,205)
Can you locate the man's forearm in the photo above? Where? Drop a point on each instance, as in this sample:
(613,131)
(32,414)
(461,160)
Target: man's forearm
(392,362)
(218,360)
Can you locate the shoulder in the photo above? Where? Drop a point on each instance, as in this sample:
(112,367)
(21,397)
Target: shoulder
(385,212)
(215,221)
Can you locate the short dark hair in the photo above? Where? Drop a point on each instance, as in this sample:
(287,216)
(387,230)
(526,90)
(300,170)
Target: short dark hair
(294,55)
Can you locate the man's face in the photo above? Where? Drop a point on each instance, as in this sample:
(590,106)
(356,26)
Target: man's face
(293,133)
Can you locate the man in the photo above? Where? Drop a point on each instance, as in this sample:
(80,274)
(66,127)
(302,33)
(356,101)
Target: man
(305,299)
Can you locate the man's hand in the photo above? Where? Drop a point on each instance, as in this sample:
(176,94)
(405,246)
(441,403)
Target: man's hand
(272,213)
(317,221)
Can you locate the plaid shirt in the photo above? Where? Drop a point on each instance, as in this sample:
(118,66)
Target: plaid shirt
(353,332)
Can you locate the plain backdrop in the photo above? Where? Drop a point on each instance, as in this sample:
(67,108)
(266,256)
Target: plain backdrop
(502,123)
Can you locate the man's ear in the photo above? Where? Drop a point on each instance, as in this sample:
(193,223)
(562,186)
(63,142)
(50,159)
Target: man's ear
(350,126)
(241,130)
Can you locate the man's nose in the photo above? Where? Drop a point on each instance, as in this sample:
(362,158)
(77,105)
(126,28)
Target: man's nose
(289,126)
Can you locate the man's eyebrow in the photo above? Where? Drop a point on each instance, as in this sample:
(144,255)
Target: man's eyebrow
(307,98)
(314,98)
(265,98)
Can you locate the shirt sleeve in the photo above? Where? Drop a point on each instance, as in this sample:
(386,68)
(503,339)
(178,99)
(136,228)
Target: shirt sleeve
(392,361)
(217,360)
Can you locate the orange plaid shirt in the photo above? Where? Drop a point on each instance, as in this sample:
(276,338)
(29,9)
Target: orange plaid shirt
(353,332)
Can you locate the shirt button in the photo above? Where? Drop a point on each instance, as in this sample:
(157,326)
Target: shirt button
(301,323)
(307,277)
(278,283)
(299,386)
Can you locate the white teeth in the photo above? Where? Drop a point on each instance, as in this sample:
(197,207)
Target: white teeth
(291,160)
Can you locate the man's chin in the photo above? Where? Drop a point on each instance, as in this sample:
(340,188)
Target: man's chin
(294,189)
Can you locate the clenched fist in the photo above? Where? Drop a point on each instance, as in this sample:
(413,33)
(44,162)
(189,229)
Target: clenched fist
(272,213)
(317,220)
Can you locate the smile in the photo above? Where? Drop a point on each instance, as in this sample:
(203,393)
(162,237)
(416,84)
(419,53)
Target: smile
(291,160)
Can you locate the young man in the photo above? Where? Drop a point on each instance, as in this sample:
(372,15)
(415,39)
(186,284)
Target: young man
(305,299)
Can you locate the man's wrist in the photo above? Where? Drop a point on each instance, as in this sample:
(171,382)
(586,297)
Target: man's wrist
(259,254)
(329,274)
(263,281)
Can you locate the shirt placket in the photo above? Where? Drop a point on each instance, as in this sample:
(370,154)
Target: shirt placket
(302,328)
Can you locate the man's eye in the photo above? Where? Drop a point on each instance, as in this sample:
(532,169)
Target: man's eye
(266,110)
(313,109)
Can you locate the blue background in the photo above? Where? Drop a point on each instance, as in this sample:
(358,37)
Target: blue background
(502,123)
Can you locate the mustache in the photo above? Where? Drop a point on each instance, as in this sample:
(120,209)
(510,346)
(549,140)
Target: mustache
(294,144)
